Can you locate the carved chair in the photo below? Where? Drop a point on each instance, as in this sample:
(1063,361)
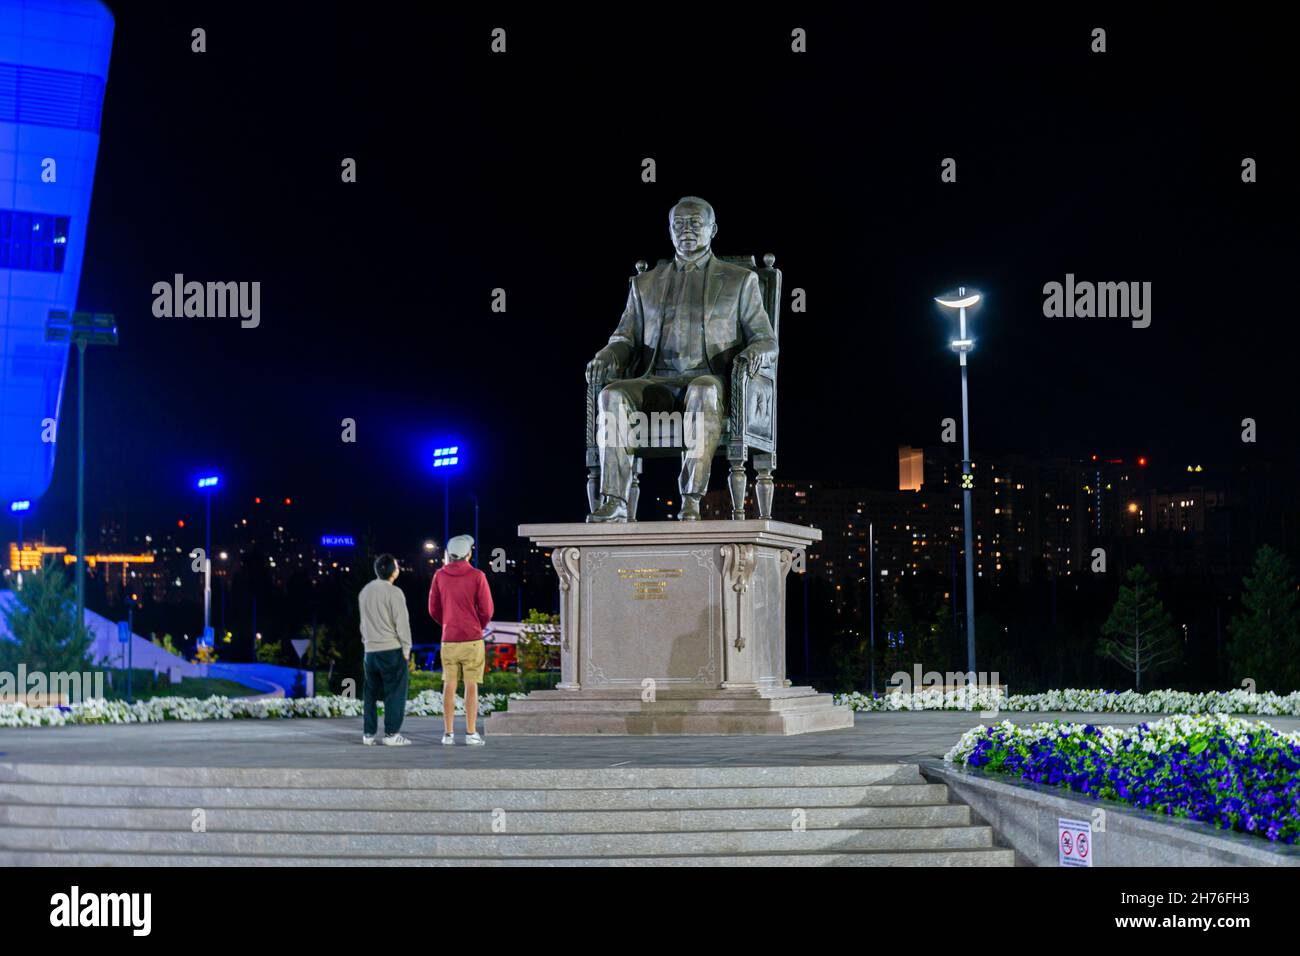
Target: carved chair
(749,424)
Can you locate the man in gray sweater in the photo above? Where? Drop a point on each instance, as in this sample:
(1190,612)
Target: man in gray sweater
(386,634)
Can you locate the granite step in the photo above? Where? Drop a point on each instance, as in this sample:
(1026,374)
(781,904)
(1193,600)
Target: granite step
(668,705)
(559,721)
(983,858)
(627,798)
(541,845)
(434,778)
(483,820)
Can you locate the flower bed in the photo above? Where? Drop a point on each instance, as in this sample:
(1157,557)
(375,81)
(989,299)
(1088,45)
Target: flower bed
(424,704)
(1083,701)
(1229,772)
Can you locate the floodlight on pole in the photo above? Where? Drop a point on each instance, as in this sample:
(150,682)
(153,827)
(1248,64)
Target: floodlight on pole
(963,345)
(208,485)
(447,459)
(20,509)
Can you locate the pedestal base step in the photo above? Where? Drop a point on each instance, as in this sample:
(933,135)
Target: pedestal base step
(721,711)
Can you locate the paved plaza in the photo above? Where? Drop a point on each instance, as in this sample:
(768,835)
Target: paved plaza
(336,743)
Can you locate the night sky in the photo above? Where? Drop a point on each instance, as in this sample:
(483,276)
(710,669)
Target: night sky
(522,171)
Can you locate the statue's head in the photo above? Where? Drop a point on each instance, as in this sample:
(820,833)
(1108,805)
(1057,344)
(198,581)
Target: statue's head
(692,226)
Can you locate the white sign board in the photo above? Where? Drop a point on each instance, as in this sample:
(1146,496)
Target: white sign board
(1073,842)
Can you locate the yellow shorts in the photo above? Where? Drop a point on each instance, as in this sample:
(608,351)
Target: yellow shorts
(462,660)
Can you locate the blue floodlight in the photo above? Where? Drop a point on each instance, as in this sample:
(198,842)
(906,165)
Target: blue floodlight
(446,456)
(20,506)
(209,481)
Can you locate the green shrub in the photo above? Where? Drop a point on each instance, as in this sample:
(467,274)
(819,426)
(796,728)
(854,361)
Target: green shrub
(424,680)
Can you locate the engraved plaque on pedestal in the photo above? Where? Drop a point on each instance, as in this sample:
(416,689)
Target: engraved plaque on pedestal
(651,613)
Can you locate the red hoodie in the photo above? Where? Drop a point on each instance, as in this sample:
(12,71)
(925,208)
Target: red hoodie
(460,601)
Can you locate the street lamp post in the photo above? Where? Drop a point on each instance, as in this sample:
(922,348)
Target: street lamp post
(476,545)
(871,580)
(81,329)
(962,345)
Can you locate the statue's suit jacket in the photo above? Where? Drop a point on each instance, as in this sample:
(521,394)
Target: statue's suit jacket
(734,317)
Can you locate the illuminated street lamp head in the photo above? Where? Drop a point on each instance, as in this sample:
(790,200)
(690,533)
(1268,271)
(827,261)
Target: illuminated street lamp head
(960,301)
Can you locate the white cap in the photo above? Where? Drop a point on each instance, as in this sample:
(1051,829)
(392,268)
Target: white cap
(460,546)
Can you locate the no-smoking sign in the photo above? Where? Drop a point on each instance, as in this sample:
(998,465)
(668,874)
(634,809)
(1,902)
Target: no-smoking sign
(1073,842)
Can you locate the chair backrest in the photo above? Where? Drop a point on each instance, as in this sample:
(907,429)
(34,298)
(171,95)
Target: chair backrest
(769,282)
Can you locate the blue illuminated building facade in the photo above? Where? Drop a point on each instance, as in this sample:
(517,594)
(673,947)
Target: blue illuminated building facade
(53,66)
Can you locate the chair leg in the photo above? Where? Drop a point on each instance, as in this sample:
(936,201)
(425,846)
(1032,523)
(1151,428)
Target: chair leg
(593,488)
(634,492)
(737,481)
(763,486)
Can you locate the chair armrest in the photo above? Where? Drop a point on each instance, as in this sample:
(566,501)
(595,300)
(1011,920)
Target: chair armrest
(593,412)
(738,424)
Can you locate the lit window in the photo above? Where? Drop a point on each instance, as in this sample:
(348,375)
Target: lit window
(32,241)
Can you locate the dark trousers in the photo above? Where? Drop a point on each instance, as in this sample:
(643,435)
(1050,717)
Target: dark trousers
(386,677)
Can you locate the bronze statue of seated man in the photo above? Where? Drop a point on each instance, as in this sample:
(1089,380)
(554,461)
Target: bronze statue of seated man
(685,323)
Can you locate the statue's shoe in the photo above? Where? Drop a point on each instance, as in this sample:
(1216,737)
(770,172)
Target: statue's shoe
(611,509)
(690,508)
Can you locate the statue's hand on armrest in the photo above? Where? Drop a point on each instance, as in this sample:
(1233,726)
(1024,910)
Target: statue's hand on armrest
(602,367)
(753,357)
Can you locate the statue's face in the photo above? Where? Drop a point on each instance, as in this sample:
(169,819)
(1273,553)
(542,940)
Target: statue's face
(692,229)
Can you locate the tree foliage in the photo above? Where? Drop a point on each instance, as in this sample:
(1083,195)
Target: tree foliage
(1264,638)
(1139,635)
(43,621)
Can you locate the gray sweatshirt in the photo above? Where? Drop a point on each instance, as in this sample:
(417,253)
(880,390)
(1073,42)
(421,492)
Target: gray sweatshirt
(385,624)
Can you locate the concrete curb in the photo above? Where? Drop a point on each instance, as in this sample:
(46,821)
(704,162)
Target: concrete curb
(1024,818)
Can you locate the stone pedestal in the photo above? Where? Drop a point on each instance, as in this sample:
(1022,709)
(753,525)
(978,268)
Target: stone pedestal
(672,627)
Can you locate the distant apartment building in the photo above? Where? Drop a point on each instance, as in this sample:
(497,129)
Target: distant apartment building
(1033,520)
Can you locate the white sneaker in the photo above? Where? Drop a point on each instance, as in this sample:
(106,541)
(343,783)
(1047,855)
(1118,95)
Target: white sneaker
(396,740)
(448,740)
(474,740)
(368,739)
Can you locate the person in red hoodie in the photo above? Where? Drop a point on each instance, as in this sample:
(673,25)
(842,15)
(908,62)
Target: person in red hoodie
(460,601)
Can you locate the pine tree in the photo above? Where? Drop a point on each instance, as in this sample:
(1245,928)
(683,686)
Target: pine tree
(43,621)
(900,637)
(1138,635)
(1264,639)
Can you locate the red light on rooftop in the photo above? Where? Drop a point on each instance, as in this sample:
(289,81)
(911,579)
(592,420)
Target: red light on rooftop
(1094,457)
(180,523)
(1142,461)
(288,501)
(257,501)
